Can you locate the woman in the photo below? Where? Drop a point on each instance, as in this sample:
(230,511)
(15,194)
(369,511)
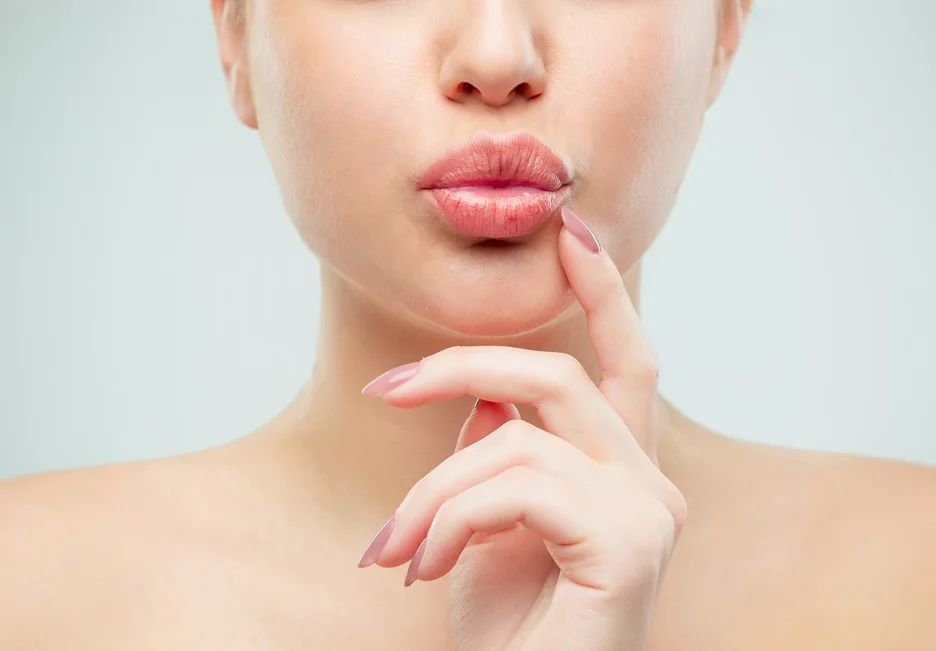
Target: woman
(480,181)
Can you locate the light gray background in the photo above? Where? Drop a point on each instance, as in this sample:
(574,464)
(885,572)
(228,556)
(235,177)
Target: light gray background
(156,299)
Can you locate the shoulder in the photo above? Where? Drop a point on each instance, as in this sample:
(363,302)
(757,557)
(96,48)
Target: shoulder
(811,545)
(864,530)
(49,521)
(67,539)
(78,501)
(81,510)
(80,544)
(45,506)
(882,546)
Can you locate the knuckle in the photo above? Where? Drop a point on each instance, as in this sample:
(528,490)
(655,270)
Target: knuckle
(652,524)
(516,476)
(519,438)
(513,434)
(574,368)
(660,536)
(650,366)
(451,510)
(672,513)
(568,369)
(650,541)
(679,510)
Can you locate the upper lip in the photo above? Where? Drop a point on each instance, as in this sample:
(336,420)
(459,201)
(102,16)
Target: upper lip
(496,159)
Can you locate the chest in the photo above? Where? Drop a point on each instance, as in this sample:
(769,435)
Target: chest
(246,609)
(207,602)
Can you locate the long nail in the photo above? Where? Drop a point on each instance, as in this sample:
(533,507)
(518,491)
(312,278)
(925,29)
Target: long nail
(413,568)
(391,379)
(376,545)
(580,230)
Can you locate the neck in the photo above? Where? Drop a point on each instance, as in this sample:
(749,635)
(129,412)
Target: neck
(365,455)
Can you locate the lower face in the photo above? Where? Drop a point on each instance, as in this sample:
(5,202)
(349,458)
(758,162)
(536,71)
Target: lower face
(355,97)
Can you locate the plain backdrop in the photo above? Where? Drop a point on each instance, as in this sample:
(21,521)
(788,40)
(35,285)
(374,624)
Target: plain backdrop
(156,299)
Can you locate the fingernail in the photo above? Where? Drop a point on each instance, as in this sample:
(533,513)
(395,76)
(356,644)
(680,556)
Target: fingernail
(391,379)
(414,565)
(580,230)
(376,545)
(475,408)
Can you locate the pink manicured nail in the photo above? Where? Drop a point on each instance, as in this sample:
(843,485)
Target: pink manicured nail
(414,565)
(376,545)
(580,230)
(391,379)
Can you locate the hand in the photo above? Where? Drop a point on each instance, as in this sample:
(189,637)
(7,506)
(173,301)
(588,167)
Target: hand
(557,538)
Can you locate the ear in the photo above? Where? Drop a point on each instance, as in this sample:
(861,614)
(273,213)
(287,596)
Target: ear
(230,27)
(732,17)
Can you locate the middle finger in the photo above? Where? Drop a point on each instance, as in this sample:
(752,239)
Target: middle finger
(515,443)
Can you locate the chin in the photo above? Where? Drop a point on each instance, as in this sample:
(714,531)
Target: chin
(482,298)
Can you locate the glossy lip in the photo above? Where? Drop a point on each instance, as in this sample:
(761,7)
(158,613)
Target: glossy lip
(498,185)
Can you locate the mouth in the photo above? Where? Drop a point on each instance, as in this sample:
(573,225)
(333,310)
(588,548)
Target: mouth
(495,213)
(498,186)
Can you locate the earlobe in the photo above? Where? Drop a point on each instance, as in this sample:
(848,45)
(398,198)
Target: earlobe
(230,33)
(720,67)
(241,95)
(732,17)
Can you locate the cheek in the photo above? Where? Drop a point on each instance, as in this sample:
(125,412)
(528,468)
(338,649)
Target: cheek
(328,110)
(640,93)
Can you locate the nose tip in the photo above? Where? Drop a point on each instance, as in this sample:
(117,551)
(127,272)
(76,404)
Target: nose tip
(494,59)
(492,96)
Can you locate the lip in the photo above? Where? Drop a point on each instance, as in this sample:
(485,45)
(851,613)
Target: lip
(498,185)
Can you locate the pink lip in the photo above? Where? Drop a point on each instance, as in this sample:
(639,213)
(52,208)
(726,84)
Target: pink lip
(498,185)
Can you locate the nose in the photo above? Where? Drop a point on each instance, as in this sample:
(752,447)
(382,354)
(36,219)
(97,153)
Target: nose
(494,58)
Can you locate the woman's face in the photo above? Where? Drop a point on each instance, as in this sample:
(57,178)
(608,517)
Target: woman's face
(352,98)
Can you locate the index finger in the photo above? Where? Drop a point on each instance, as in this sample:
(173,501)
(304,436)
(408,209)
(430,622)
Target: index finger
(629,368)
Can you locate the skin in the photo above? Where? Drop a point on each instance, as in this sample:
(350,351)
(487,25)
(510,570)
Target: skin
(255,544)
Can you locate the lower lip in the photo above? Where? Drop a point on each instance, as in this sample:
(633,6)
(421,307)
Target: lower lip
(497,212)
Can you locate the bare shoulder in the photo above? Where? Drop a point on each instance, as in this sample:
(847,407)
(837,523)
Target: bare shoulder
(807,549)
(884,543)
(81,510)
(52,523)
(68,537)
(61,506)
(864,532)
(77,506)
(88,550)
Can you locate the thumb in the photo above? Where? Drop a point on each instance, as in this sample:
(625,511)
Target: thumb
(485,418)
